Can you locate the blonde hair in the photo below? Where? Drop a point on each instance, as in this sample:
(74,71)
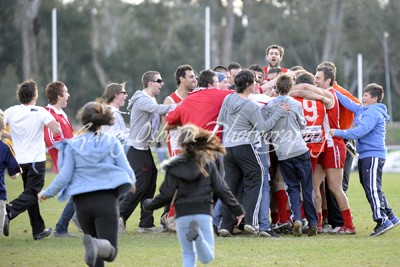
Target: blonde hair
(199,144)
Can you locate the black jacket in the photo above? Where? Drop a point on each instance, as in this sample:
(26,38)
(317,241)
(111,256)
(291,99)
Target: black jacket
(194,190)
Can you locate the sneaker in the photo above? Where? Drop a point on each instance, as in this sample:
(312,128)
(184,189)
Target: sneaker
(326,228)
(121,226)
(268,233)
(346,231)
(42,235)
(312,231)
(6,228)
(75,220)
(382,228)
(395,221)
(90,250)
(334,230)
(153,229)
(304,225)
(282,227)
(224,233)
(251,229)
(193,231)
(67,234)
(168,223)
(297,228)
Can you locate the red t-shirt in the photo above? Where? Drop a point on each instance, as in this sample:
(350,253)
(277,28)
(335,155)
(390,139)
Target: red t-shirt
(66,132)
(200,107)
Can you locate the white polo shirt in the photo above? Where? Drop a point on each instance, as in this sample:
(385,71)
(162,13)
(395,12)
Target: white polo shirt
(27,132)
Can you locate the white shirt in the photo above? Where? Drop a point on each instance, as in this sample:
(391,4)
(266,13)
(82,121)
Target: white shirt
(27,132)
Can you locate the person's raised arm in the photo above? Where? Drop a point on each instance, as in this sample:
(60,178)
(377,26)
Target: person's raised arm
(347,102)
(54,127)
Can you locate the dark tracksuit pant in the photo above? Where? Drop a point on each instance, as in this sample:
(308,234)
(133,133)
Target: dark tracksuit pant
(370,171)
(243,167)
(99,220)
(145,169)
(33,181)
(297,172)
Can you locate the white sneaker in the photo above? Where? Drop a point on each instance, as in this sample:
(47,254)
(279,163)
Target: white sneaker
(251,229)
(334,230)
(121,226)
(143,230)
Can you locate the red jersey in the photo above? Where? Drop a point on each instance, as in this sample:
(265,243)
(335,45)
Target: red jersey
(316,120)
(200,107)
(333,118)
(172,139)
(66,132)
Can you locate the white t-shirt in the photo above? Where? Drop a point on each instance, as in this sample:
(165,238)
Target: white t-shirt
(27,131)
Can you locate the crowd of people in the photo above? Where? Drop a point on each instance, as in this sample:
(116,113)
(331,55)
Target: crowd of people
(262,150)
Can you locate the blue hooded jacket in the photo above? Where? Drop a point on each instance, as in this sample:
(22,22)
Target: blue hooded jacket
(89,163)
(369,128)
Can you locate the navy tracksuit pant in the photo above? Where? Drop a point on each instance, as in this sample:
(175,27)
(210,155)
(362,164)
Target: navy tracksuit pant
(370,171)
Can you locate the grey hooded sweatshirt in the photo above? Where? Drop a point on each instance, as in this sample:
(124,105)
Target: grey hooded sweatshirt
(242,121)
(286,134)
(145,119)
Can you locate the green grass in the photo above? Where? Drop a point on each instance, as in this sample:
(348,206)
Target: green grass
(19,249)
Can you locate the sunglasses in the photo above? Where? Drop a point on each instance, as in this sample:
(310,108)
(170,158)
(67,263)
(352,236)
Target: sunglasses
(158,81)
(123,92)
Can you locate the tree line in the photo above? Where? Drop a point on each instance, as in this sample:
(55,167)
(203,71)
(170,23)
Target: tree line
(100,41)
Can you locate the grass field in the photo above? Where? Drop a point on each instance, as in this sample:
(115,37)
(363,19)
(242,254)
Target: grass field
(19,249)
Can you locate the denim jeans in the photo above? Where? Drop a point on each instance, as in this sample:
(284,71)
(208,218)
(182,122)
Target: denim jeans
(264,223)
(66,216)
(203,246)
(217,214)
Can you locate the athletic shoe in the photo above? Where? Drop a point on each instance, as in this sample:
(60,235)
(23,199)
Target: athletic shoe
(297,228)
(312,231)
(193,231)
(67,234)
(143,230)
(121,226)
(75,220)
(282,227)
(251,229)
(395,220)
(268,233)
(224,233)
(6,228)
(347,231)
(382,228)
(326,228)
(304,226)
(334,230)
(41,235)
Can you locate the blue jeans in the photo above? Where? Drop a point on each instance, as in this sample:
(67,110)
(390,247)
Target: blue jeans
(203,246)
(217,214)
(264,223)
(66,216)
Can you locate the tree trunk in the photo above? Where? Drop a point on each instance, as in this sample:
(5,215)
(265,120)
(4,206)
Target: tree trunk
(101,74)
(333,31)
(28,11)
(228,34)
